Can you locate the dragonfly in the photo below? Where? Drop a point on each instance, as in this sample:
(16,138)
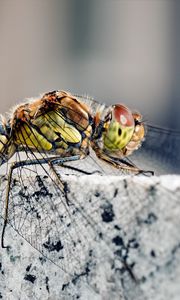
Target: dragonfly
(52,133)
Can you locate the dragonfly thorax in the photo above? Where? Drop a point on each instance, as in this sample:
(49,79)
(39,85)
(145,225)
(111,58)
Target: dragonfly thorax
(57,123)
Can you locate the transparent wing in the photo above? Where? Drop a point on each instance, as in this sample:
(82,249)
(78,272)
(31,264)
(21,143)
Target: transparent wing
(159,151)
(61,229)
(91,102)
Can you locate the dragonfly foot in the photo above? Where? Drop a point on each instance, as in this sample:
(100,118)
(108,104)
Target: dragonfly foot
(146,173)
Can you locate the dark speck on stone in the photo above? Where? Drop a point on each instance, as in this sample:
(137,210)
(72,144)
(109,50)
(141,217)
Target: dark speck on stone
(85,273)
(122,270)
(100,235)
(118,241)
(123,253)
(42,259)
(64,286)
(96,194)
(143,279)
(115,192)
(151,218)
(47,283)
(30,277)
(28,268)
(108,213)
(90,252)
(133,244)
(53,246)
(125,184)
(153,254)
(152,190)
(117,227)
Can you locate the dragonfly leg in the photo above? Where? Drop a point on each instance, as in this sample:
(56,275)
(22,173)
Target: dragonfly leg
(59,161)
(121,163)
(12,167)
(79,170)
(144,172)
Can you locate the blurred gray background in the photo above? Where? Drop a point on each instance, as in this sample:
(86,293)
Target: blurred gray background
(114,50)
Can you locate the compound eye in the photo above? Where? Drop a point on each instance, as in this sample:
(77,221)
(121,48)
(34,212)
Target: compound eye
(123,115)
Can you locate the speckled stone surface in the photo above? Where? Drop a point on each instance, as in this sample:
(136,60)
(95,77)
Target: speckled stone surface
(136,257)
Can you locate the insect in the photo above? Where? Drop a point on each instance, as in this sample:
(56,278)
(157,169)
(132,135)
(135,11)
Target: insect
(53,130)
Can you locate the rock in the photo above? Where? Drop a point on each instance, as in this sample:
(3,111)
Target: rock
(129,228)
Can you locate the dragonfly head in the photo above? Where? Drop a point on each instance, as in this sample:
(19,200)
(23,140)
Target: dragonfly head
(7,149)
(122,129)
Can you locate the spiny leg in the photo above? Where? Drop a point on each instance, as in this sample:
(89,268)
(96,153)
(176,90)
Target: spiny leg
(7,204)
(121,163)
(129,165)
(59,161)
(79,170)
